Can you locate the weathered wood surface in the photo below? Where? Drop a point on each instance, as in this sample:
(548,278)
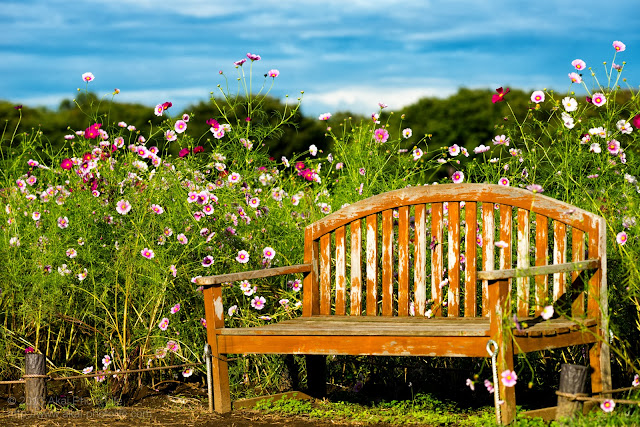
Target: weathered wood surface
(472,254)
(254,274)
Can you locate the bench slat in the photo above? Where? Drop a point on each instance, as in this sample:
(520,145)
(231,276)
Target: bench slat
(356,269)
(542,249)
(387,262)
(453,258)
(420,267)
(522,261)
(325,274)
(577,254)
(471,262)
(488,254)
(372,265)
(534,271)
(437,266)
(403,261)
(341,271)
(253,274)
(559,257)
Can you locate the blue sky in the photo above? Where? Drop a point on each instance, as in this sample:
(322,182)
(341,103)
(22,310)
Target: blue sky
(344,54)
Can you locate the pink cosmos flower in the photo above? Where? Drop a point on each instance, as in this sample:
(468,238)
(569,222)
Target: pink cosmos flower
(536,188)
(35,216)
(621,238)
(234,177)
(258,302)
(417,154)
(254,202)
(268,253)
(547,312)
(158,110)
(71,253)
(501,140)
(123,207)
(180,126)
(406,133)
(63,222)
(579,64)
(598,99)
(243,257)
(619,46)
(509,378)
(88,77)
(575,78)
(175,309)
(253,57)
(164,324)
(157,209)
(457,177)
(207,209)
(499,97)
(170,135)
(273,73)
(537,96)
(636,381)
(613,146)
(172,346)
(504,182)
(182,239)
(324,116)
(240,62)
(608,405)
(187,372)
(381,135)
(489,385)
(106,361)
(454,150)
(203,322)
(481,149)
(173,270)
(148,253)
(87,370)
(501,244)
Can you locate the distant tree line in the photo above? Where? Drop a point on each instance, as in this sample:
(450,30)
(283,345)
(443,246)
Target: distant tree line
(467,118)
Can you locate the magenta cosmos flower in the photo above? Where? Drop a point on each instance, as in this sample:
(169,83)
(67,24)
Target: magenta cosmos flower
(207,261)
(499,97)
(258,302)
(88,77)
(123,207)
(67,164)
(457,177)
(504,182)
(243,257)
(157,209)
(509,378)
(175,309)
(381,135)
(579,64)
(619,46)
(273,73)
(253,57)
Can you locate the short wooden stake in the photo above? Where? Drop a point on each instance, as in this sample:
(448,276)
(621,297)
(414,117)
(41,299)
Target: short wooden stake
(573,379)
(35,389)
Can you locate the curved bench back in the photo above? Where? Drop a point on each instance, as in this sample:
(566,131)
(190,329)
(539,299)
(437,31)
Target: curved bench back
(418,250)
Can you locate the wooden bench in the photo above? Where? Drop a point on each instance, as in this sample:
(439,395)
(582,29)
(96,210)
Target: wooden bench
(373,269)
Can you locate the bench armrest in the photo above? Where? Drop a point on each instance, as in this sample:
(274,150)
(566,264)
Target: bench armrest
(540,270)
(253,274)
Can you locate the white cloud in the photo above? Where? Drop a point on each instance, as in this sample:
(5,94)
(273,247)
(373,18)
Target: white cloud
(365,99)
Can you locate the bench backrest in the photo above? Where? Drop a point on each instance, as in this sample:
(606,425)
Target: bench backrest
(401,251)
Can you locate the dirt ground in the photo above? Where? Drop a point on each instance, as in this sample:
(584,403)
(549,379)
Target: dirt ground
(185,406)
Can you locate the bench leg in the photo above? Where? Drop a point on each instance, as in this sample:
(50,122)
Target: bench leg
(316,375)
(599,360)
(507,394)
(221,393)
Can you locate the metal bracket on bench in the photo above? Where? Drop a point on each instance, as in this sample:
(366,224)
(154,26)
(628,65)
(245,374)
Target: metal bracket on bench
(492,349)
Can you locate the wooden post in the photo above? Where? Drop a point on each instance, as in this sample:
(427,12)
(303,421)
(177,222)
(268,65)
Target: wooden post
(35,389)
(573,379)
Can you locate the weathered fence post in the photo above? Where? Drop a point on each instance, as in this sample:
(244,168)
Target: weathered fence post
(573,379)
(35,389)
